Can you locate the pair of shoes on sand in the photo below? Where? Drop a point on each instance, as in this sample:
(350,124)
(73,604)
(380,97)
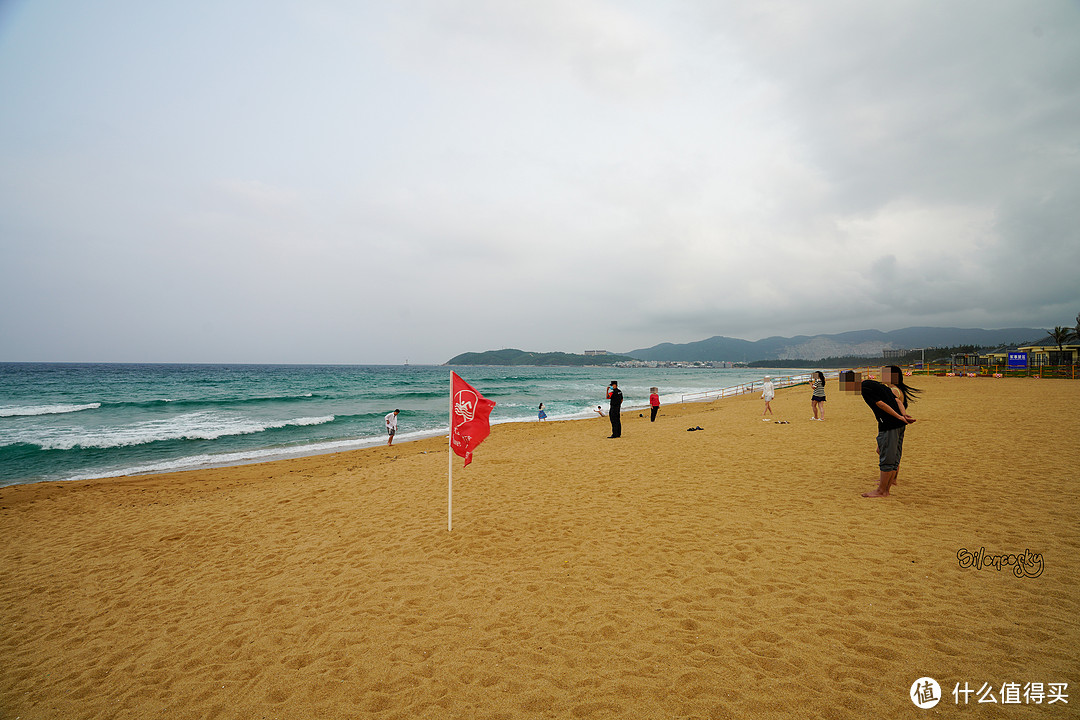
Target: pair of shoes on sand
(694,428)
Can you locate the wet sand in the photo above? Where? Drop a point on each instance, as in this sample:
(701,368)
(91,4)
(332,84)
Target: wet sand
(732,572)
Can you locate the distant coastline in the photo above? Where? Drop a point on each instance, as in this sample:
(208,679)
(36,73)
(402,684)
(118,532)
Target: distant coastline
(513,356)
(801,351)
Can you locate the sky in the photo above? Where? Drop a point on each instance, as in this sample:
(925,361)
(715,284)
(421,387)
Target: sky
(345,181)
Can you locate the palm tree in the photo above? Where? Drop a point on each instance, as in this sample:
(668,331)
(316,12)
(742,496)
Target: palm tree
(1076,330)
(1060,335)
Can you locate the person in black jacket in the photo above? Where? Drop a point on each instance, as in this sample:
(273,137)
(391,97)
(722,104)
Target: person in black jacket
(888,400)
(615,394)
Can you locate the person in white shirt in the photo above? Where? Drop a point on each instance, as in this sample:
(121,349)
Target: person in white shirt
(391,426)
(768,392)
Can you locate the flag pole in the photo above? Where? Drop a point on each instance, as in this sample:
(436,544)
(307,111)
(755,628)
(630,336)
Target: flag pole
(450,453)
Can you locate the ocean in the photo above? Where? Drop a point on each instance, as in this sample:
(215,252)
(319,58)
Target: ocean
(83,421)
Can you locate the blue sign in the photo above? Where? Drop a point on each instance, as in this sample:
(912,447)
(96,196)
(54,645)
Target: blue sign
(1018,360)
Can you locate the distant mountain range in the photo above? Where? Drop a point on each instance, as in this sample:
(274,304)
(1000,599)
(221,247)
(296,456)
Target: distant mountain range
(863,343)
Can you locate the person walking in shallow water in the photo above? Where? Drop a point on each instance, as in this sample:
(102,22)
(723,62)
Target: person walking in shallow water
(615,395)
(541,416)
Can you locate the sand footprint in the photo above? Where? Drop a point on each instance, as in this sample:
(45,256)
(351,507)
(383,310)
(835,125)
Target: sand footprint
(763,643)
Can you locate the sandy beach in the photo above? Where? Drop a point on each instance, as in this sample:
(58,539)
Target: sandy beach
(731,572)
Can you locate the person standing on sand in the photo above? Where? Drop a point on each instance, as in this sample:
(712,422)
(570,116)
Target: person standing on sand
(888,400)
(654,402)
(817,398)
(615,395)
(768,392)
(391,426)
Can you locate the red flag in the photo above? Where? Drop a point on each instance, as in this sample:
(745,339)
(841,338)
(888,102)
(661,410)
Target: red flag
(469,412)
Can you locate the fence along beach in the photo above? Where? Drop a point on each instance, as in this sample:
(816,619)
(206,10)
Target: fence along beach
(730,572)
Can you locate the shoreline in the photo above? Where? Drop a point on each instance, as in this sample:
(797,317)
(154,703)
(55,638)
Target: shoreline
(275,455)
(326,447)
(442,434)
(331,447)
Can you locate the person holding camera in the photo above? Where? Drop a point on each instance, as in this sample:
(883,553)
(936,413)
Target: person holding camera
(615,396)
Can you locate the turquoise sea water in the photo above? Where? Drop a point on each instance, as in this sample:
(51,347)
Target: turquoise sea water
(67,421)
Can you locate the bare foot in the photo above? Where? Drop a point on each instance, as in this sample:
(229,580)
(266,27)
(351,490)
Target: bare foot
(875,493)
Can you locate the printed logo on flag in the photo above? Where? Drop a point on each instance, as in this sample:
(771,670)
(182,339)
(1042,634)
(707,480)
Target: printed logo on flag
(465,404)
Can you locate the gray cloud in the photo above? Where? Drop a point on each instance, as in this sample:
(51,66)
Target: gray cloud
(347,182)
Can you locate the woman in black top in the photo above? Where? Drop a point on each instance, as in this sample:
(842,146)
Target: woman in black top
(889,400)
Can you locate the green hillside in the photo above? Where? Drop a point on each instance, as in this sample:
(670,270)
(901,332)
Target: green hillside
(512,356)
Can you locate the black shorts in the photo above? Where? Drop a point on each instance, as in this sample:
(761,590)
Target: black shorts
(815,398)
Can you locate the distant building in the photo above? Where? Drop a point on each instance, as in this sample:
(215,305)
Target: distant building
(1048,353)
(597,352)
(893,354)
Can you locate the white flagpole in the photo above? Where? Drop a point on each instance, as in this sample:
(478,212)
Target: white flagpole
(450,448)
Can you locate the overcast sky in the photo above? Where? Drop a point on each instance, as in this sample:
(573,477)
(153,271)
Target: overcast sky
(344,181)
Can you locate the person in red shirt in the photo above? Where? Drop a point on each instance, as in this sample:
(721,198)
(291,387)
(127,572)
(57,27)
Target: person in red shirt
(654,402)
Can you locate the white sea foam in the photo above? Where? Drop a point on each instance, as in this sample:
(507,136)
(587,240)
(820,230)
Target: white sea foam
(193,462)
(205,425)
(45,410)
(244,457)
